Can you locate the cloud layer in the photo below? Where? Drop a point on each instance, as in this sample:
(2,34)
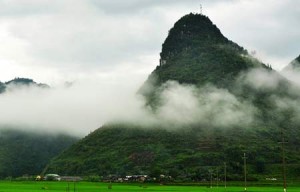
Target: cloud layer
(86,105)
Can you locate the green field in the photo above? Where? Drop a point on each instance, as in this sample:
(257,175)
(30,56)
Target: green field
(6,186)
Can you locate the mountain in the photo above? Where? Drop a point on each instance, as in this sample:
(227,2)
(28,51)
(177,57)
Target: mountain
(223,83)
(21,82)
(27,153)
(195,52)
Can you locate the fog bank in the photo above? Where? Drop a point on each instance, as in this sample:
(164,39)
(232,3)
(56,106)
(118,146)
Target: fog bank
(82,106)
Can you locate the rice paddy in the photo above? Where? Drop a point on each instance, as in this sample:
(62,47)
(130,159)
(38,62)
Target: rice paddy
(32,186)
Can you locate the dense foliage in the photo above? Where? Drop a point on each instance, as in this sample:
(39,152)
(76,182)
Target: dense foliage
(24,152)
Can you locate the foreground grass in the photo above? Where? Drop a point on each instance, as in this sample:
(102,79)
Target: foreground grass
(6,186)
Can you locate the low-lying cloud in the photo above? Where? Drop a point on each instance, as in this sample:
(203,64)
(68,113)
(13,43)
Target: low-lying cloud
(76,109)
(187,104)
(292,73)
(85,106)
(88,104)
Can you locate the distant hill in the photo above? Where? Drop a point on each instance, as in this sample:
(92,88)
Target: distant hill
(27,153)
(292,71)
(294,65)
(196,55)
(21,82)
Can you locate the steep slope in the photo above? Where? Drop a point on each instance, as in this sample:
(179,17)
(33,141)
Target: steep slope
(196,54)
(28,153)
(294,65)
(292,71)
(195,46)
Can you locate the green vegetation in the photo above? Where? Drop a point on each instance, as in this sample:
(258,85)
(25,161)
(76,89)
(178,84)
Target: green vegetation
(185,155)
(94,187)
(195,53)
(27,153)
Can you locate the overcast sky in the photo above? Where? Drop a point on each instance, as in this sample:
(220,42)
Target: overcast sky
(120,40)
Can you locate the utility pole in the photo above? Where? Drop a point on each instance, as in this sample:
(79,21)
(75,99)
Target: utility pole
(200,9)
(217,177)
(225,175)
(245,172)
(210,178)
(283,161)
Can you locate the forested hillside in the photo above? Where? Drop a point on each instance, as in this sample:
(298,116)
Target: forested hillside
(27,153)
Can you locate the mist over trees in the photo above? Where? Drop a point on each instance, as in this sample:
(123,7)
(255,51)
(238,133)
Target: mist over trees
(207,103)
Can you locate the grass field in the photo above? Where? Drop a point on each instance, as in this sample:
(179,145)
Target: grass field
(6,186)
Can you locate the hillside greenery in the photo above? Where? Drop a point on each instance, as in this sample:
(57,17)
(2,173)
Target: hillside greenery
(187,154)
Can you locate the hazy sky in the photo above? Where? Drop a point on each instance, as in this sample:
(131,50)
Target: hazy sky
(119,41)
